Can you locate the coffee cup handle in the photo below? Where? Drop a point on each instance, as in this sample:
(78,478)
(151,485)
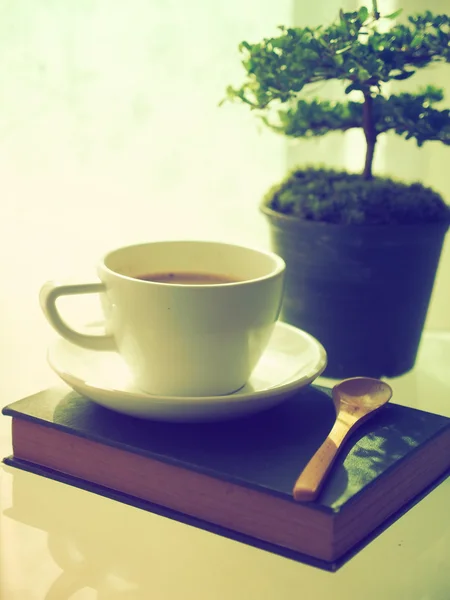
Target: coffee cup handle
(48,296)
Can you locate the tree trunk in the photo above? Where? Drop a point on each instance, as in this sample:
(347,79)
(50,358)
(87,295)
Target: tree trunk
(369,133)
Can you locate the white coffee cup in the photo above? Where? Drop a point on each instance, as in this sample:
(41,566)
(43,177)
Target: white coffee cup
(181,339)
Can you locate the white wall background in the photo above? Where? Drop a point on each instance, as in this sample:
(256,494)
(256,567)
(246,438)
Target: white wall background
(110,134)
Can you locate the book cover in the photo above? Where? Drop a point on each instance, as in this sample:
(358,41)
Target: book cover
(403,450)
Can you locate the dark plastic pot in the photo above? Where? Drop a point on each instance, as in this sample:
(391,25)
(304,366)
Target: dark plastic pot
(362,291)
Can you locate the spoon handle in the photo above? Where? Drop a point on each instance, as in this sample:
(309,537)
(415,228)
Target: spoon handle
(311,479)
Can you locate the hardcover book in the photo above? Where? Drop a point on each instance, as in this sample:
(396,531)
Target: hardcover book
(236,477)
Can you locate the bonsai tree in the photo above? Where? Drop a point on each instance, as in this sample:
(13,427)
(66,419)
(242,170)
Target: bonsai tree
(362,52)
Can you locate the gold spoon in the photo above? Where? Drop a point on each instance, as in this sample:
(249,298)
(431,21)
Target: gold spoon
(355,401)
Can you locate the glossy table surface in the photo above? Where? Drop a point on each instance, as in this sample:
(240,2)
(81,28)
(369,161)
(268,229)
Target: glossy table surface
(59,542)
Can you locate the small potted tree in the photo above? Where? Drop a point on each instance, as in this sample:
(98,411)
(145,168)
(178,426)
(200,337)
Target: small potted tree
(361,250)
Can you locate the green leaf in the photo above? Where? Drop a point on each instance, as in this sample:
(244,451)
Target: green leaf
(277,43)
(416,41)
(363,13)
(403,75)
(322,42)
(363,73)
(394,15)
(343,20)
(245,45)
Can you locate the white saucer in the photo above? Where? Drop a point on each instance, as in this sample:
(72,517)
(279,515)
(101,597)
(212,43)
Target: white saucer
(292,360)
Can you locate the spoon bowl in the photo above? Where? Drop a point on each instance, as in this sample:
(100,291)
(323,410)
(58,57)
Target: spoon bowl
(361,394)
(355,400)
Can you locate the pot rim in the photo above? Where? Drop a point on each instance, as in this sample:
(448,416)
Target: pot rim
(293,221)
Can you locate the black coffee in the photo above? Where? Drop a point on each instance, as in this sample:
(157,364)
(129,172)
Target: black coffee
(187,278)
